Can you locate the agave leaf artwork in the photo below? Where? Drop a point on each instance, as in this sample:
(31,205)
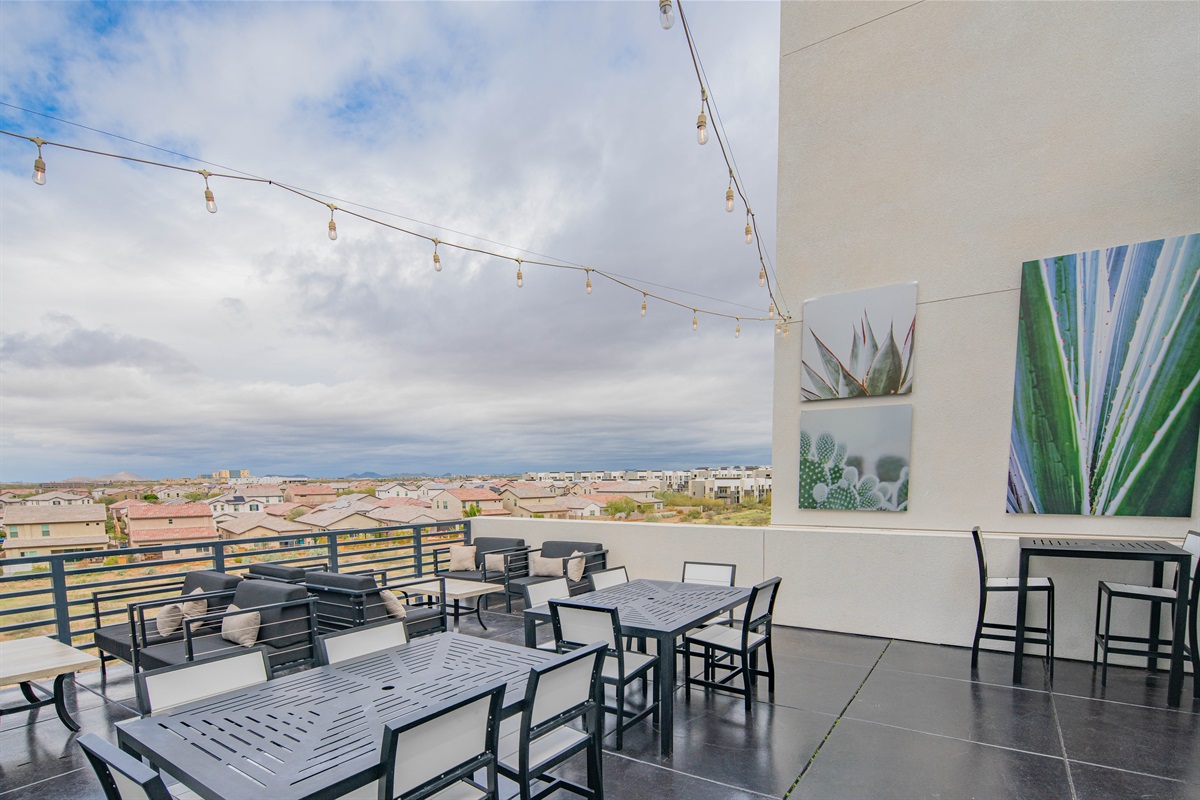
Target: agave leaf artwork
(875,359)
(1106,404)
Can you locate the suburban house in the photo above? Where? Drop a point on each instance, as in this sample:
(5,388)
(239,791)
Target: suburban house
(392,502)
(44,530)
(398,489)
(581,506)
(283,509)
(58,499)
(730,489)
(521,501)
(178,525)
(309,494)
(340,519)
(411,515)
(258,524)
(458,501)
(172,492)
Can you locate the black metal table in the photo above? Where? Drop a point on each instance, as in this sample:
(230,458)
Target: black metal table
(1159,553)
(316,734)
(659,610)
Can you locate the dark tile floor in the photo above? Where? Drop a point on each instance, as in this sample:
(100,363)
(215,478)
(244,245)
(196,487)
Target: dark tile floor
(852,717)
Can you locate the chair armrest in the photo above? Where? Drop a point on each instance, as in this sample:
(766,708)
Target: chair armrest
(123,593)
(190,621)
(138,611)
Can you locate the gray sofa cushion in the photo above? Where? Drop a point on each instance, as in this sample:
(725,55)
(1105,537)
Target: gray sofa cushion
(490,544)
(210,580)
(280,627)
(279,572)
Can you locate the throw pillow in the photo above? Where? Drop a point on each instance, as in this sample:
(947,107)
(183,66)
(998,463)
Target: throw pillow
(393,605)
(575,567)
(462,557)
(195,608)
(493,562)
(241,628)
(169,619)
(545,567)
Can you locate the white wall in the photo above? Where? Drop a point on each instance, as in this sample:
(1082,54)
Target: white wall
(947,143)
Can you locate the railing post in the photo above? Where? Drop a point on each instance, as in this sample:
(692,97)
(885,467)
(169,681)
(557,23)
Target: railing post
(418,550)
(219,556)
(467,531)
(331,538)
(62,609)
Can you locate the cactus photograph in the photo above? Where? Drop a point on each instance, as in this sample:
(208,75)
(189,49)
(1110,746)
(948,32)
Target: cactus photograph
(855,459)
(859,344)
(1106,404)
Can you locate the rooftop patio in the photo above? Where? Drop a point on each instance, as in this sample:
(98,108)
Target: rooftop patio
(852,717)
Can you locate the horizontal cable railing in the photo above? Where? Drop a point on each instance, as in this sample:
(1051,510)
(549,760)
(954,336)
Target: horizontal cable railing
(69,595)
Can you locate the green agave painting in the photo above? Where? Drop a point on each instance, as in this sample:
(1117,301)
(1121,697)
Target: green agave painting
(1106,407)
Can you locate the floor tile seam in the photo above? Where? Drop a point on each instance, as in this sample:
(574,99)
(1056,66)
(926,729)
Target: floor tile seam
(43,780)
(953,738)
(722,784)
(837,721)
(1128,771)
(823,660)
(1179,710)
(1062,743)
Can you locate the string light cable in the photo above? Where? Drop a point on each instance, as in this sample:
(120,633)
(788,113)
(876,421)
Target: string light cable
(736,184)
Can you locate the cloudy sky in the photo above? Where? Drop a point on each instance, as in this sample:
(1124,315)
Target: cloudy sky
(142,333)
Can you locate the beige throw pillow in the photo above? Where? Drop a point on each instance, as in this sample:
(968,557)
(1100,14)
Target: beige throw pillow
(241,628)
(545,567)
(195,608)
(393,605)
(169,619)
(575,567)
(462,557)
(493,562)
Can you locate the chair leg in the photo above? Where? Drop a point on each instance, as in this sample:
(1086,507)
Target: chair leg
(595,777)
(1104,647)
(1096,632)
(1050,631)
(620,714)
(978,630)
(657,683)
(746,680)
(770,667)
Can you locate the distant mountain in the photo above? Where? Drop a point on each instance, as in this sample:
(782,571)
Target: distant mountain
(116,477)
(369,476)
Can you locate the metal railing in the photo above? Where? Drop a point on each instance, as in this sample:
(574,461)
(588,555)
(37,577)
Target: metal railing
(53,595)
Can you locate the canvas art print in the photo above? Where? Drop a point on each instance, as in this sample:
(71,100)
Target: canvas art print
(1106,409)
(859,344)
(855,459)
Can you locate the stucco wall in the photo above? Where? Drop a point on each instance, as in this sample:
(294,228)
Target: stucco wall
(947,143)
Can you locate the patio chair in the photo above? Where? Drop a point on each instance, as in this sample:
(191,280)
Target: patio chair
(537,594)
(558,694)
(162,689)
(1155,596)
(435,753)
(1004,632)
(487,570)
(577,625)
(345,600)
(124,777)
(707,572)
(604,578)
(288,573)
(521,567)
(734,650)
(334,648)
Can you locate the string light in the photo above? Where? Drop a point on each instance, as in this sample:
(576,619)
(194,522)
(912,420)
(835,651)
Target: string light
(666,14)
(737,332)
(437,260)
(778,328)
(695,320)
(589,281)
(702,121)
(729,194)
(437,242)
(771,311)
(210,202)
(39,166)
(762,276)
(785,330)
(749,229)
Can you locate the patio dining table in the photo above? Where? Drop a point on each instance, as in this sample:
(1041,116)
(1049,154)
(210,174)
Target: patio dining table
(316,734)
(659,610)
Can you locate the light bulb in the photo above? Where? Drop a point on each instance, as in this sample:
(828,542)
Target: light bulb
(762,276)
(737,332)
(210,202)
(695,322)
(643,305)
(702,129)
(771,311)
(589,285)
(729,199)
(785,331)
(39,170)
(437,262)
(749,234)
(778,328)
(666,14)
(520,278)
(332,231)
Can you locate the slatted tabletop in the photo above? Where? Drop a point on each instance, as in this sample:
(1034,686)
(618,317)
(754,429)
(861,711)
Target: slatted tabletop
(316,734)
(651,608)
(1126,548)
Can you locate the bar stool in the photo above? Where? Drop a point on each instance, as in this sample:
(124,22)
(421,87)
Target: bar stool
(1004,632)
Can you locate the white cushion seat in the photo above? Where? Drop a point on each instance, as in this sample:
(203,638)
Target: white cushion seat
(1148,592)
(635,662)
(725,637)
(455,791)
(541,748)
(1014,583)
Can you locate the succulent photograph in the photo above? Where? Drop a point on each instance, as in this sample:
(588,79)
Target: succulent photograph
(859,344)
(1106,403)
(855,459)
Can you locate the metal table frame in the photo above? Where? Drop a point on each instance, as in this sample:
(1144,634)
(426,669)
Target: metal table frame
(315,734)
(55,659)
(659,610)
(1157,552)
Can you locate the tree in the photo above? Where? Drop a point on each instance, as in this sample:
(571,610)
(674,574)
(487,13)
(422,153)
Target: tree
(150,498)
(196,497)
(296,512)
(622,506)
(472,510)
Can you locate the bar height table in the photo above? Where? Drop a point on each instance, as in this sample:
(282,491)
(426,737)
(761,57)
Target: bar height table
(1159,553)
(659,610)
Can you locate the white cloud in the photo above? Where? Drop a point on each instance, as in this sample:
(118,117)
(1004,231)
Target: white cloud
(142,333)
